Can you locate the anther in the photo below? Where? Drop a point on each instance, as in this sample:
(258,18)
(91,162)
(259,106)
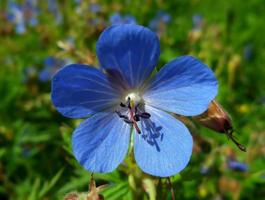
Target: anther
(128,121)
(132,101)
(122,105)
(129,104)
(136,117)
(145,115)
(121,115)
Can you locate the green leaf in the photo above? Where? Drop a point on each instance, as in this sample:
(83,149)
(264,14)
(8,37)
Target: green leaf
(49,185)
(116,192)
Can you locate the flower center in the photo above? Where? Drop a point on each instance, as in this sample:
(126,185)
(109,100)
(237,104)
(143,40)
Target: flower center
(134,99)
(132,110)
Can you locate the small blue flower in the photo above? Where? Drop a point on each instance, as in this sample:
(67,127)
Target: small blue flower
(78,1)
(54,9)
(117,18)
(122,99)
(31,11)
(197,20)
(51,66)
(248,52)
(159,21)
(237,166)
(95,8)
(52,6)
(204,170)
(28,73)
(16,16)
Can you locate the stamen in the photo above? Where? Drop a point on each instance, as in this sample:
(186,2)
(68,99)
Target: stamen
(128,121)
(145,115)
(121,115)
(133,100)
(129,102)
(136,117)
(122,105)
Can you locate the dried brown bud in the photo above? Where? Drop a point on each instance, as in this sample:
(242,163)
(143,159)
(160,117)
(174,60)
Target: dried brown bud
(217,119)
(93,193)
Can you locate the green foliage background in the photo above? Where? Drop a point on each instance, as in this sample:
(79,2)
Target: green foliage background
(36,160)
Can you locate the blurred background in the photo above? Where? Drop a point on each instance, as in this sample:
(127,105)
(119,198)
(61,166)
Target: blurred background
(39,37)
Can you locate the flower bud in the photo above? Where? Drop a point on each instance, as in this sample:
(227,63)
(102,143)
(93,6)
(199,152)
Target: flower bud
(217,119)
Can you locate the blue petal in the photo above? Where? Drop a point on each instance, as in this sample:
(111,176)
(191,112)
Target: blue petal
(79,90)
(164,146)
(100,143)
(115,18)
(130,50)
(238,166)
(184,86)
(45,75)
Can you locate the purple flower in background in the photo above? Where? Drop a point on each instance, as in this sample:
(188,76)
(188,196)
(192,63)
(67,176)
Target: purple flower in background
(159,21)
(54,9)
(52,6)
(94,8)
(31,12)
(204,170)
(15,15)
(117,18)
(51,66)
(22,15)
(237,166)
(197,20)
(121,100)
(248,52)
(78,1)
(28,73)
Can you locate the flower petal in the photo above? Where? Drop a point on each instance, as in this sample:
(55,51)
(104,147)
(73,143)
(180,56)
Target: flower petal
(164,146)
(184,86)
(130,50)
(79,90)
(100,143)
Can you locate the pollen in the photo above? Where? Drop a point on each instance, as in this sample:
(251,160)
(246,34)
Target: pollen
(134,114)
(134,98)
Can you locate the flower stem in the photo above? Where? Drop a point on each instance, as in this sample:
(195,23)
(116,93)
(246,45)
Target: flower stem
(171,188)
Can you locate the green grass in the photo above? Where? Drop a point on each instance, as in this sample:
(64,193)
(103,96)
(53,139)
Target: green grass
(36,160)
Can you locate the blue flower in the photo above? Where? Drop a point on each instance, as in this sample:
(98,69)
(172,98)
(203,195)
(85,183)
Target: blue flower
(24,14)
(248,52)
(78,1)
(117,18)
(237,166)
(159,21)
(28,73)
(53,7)
(95,8)
(205,170)
(16,16)
(197,20)
(51,66)
(31,11)
(120,98)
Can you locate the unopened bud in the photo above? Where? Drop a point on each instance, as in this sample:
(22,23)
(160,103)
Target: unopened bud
(217,119)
